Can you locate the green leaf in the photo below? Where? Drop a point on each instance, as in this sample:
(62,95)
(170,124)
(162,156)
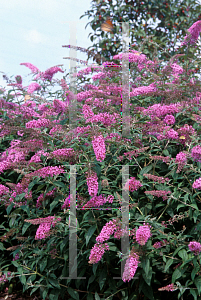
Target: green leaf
(102,278)
(33,290)
(145,170)
(166,153)
(193,292)
(96,296)
(63,121)
(60,184)
(194,272)
(54,294)
(9,208)
(25,227)
(90,233)
(177,250)
(176,274)
(91,279)
(186,190)
(53,204)
(197,282)
(147,290)
(94,268)
(74,294)
(146,265)
(168,264)
(43,264)
(15,263)
(2,247)
(54,282)
(44,294)
(89,296)
(183,254)
(23,279)
(194,205)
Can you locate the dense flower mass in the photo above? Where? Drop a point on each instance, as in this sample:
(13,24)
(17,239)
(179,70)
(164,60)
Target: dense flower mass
(193,35)
(130,267)
(132,184)
(92,182)
(39,145)
(181,159)
(99,147)
(195,247)
(143,233)
(34,86)
(97,252)
(197,184)
(196,153)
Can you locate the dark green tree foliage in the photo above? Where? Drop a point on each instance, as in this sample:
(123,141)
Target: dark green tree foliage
(172,18)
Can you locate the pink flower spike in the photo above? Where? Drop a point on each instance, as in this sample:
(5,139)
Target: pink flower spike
(31,67)
(143,234)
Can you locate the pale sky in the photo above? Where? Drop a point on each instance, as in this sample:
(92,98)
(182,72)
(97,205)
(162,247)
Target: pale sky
(34,31)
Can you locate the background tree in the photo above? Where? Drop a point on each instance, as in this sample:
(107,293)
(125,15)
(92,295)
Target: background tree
(165,22)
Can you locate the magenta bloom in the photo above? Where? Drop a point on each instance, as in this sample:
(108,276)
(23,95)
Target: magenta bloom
(143,234)
(97,252)
(194,31)
(196,153)
(31,67)
(197,184)
(34,86)
(132,184)
(169,119)
(195,247)
(48,74)
(99,147)
(130,267)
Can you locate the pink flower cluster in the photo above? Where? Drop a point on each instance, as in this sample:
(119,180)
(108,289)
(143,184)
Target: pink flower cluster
(186,131)
(41,198)
(97,201)
(169,119)
(196,153)
(43,230)
(170,288)
(16,257)
(143,233)
(193,35)
(156,178)
(130,267)
(34,86)
(107,231)
(92,182)
(3,190)
(48,171)
(132,184)
(87,111)
(97,252)
(163,158)
(195,247)
(99,147)
(4,277)
(160,244)
(160,110)
(38,123)
(158,194)
(181,159)
(62,154)
(171,134)
(197,184)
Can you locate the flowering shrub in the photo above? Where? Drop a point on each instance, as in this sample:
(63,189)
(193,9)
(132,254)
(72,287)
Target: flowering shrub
(38,150)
